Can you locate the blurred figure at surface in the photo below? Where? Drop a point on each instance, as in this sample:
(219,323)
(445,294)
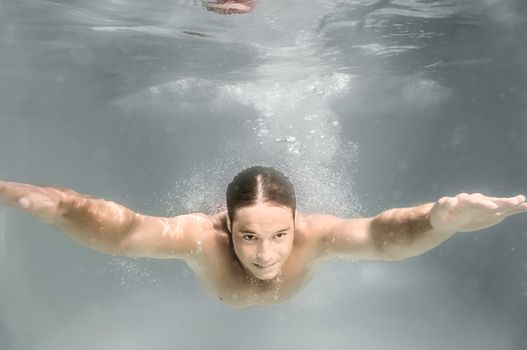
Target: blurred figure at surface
(230,7)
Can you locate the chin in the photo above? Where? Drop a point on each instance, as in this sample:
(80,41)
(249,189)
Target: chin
(261,275)
(266,277)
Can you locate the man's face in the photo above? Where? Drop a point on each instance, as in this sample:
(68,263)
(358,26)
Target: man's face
(262,236)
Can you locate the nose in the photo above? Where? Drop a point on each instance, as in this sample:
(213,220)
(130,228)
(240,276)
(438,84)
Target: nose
(264,253)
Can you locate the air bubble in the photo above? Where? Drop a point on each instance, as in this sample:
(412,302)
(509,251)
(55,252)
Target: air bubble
(131,272)
(310,154)
(263,132)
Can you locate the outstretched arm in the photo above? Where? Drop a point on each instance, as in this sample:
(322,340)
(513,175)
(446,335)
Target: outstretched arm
(400,233)
(103,225)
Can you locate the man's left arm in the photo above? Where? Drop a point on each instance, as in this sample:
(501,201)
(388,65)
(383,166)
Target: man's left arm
(401,233)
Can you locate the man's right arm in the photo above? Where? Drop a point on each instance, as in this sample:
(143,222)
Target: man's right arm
(106,226)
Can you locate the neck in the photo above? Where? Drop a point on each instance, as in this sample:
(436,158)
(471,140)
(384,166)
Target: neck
(261,285)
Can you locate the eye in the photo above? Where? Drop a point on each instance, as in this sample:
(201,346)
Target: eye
(249,237)
(280,235)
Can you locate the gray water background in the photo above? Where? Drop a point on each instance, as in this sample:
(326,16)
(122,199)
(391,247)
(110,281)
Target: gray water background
(367,105)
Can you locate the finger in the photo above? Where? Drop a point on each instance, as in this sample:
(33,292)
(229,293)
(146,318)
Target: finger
(34,201)
(443,200)
(446,204)
(26,197)
(484,203)
(509,202)
(24,202)
(451,203)
(38,204)
(521,208)
(11,192)
(521,198)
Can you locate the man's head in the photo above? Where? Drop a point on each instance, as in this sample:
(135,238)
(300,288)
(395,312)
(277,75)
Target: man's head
(261,207)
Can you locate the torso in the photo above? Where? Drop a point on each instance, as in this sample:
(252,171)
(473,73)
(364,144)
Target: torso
(220,272)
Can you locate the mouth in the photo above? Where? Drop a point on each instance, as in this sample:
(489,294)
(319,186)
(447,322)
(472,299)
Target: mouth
(261,267)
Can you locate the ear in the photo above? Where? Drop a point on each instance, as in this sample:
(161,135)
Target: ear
(296,216)
(229,223)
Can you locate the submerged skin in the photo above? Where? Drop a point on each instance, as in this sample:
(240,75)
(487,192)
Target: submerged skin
(269,255)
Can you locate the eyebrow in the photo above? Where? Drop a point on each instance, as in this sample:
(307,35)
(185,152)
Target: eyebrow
(251,232)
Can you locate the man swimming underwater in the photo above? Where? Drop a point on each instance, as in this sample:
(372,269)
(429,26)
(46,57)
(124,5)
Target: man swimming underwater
(260,250)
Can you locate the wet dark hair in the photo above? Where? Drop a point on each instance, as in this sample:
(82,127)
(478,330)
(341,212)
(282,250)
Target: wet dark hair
(259,184)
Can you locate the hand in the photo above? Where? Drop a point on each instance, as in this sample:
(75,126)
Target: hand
(43,202)
(229,7)
(470,212)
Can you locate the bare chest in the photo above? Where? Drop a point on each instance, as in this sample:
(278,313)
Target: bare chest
(221,274)
(227,281)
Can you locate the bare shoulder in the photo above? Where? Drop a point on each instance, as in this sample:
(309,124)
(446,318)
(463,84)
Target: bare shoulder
(336,236)
(214,236)
(203,227)
(316,225)
(215,262)
(310,231)
(178,237)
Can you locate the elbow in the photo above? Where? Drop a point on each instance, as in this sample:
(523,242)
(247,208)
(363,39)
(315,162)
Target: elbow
(392,252)
(395,254)
(392,256)
(395,257)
